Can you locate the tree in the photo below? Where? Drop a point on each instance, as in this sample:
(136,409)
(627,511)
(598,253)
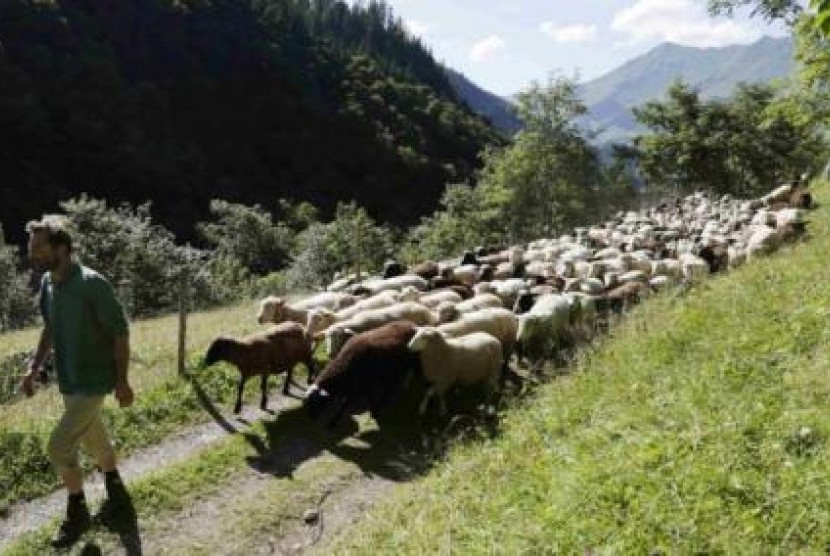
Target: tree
(742,146)
(543,181)
(464,220)
(17,307)
(249,235)
(352,242)
(787,10)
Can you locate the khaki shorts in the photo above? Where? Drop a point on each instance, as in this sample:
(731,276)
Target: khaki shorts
(81,424)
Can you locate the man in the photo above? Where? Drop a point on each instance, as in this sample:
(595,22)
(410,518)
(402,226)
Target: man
(86,326)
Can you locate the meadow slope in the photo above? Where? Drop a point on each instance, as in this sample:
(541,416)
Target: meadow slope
(699,425)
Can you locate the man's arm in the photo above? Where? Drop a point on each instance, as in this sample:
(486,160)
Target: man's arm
(123,390)
(43,347)
(27,385)
(122,358)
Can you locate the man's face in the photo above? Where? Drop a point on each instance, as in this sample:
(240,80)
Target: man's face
(43,255)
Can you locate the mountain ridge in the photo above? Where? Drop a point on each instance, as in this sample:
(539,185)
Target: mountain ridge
(714,71)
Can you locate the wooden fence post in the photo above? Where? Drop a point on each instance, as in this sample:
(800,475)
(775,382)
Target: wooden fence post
(183,298)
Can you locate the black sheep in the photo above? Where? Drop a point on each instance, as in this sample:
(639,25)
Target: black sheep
(392,268)
(469,258)
(370,369)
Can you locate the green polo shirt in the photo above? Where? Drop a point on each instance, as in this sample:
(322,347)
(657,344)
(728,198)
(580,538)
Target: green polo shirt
(84,317)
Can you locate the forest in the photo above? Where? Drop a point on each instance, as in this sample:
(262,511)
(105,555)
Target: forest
(181,102)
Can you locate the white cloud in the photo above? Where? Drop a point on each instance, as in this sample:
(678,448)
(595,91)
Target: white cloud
(569,33)
(680,21)
(486,48)
(415,27)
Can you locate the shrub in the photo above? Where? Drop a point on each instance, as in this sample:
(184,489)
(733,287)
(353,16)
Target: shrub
(351,242)
(17,308)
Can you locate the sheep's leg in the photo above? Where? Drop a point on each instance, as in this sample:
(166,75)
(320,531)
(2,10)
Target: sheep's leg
(425,402)
(238,406)
(289,379)
(263,404)
(442,404)
(338,414)
(311,364)
(519,350)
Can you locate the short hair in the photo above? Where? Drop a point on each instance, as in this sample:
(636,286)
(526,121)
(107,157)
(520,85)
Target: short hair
(55,226)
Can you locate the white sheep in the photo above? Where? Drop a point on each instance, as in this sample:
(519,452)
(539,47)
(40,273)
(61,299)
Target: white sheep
(543,327)
(476,358)
(337,334)
(500,323)
(430,299)
(695,269)
(275,310)
(396,283)
(762,241)
(479,302)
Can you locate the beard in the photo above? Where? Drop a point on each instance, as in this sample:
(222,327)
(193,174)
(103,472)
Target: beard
(45,264)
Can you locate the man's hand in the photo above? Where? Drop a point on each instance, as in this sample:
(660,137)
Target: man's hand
(124,394)
(27,384)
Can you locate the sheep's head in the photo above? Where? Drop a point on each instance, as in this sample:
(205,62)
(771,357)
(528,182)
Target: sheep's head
(409,293)
(423,337)
(218,351)
(316,400)
(319,320)
(484,287)
(447,312)
(516,255)
(487,273)
(336,338)
(269,309)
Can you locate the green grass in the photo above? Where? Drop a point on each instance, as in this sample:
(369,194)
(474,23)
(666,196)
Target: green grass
(161,496)
(699,425)
(164,402)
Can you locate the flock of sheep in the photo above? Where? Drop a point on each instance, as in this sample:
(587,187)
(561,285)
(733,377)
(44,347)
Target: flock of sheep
(463,322)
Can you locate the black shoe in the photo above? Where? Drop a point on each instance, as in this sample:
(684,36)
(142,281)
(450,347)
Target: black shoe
(77,523)
(117,508)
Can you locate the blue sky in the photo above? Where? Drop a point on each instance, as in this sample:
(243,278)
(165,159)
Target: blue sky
(503,45)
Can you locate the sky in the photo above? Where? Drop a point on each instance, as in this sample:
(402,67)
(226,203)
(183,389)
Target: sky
(503,45)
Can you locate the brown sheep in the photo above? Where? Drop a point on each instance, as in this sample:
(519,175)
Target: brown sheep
(623,296)
(426,270)
(274,351)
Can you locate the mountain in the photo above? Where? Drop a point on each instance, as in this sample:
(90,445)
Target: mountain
(714,71)
(495,109)
(182,101)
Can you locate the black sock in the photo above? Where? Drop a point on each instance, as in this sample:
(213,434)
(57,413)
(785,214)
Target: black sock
(113,478)
(78,498)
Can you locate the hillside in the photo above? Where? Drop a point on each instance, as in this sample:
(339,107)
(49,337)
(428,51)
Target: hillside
(492,107)
(181,102)
(698,426)
(715,71)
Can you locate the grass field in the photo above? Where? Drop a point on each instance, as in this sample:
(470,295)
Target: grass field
(164,401)
(700,425)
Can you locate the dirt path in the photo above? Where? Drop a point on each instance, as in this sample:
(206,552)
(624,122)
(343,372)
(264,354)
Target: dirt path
(29,516)
(264,510)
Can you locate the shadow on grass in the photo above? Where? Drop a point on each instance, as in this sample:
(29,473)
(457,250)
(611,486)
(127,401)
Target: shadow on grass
(401,447)
(209,406)
(392,451)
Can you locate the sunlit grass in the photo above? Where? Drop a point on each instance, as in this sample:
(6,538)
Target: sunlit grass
(700,425)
